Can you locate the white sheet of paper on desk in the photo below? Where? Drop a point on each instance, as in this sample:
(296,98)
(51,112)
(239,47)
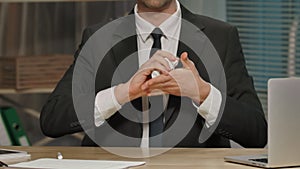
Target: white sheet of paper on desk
(77,164)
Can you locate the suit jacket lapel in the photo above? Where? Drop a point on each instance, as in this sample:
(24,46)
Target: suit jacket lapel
(124,48)
(193,35)
(125,54)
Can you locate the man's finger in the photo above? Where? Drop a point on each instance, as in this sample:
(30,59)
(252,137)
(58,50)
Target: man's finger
(167,55)
(185,60)
(187,63)
(158,80)
(164,62)
(156,66)
(184,56)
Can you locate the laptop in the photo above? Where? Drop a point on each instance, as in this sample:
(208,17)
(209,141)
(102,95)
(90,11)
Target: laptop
(283,127)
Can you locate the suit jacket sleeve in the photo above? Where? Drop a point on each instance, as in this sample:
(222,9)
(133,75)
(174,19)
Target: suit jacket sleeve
(243,119)
(58,116)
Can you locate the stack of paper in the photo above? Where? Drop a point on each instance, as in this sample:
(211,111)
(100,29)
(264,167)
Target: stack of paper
(13,156)
(77,164)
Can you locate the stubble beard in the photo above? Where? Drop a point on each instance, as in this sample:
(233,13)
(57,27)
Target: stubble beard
(156,4)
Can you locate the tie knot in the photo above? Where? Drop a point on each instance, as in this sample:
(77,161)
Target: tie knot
(156,34)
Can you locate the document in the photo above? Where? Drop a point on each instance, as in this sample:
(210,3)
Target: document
(52,163)
(13,156)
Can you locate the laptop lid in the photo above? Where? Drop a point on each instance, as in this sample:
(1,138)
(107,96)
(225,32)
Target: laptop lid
(283,122)
(283,127)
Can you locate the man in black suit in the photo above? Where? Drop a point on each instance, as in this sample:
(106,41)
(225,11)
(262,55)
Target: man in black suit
(241,119)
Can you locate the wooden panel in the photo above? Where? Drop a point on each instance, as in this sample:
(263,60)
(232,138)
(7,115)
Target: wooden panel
(33,71)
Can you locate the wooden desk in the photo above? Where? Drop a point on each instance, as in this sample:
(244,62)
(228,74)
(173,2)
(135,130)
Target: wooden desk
(176,158)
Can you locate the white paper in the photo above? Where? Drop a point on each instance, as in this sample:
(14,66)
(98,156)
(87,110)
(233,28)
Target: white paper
(76,164)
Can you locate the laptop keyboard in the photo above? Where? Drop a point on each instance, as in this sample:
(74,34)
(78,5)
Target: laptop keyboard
(262,160)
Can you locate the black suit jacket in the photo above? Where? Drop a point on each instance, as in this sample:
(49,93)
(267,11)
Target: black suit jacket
(242,121)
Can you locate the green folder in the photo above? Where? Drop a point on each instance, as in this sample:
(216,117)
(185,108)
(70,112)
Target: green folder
(14,127)
(5,139)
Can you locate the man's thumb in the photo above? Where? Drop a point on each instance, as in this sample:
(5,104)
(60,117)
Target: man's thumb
(185,60)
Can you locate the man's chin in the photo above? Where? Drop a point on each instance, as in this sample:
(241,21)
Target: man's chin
(156,4)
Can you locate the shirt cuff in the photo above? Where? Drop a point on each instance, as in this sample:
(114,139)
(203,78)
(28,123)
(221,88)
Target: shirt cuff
(210,108)
(106,105)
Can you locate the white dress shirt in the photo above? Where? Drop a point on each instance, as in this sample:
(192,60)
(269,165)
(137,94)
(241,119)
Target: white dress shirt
(106,103)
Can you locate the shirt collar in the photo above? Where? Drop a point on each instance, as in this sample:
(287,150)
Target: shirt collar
(168,27)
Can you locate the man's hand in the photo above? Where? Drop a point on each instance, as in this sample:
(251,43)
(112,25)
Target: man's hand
(158,61)
(134,87)
(185,81)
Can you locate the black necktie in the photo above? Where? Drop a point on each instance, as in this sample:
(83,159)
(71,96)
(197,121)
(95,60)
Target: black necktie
(156,35)
(156,102)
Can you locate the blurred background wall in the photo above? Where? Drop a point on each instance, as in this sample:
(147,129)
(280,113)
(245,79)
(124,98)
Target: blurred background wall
(212,8)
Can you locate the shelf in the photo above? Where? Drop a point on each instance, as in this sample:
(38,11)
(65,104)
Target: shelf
(26,91)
